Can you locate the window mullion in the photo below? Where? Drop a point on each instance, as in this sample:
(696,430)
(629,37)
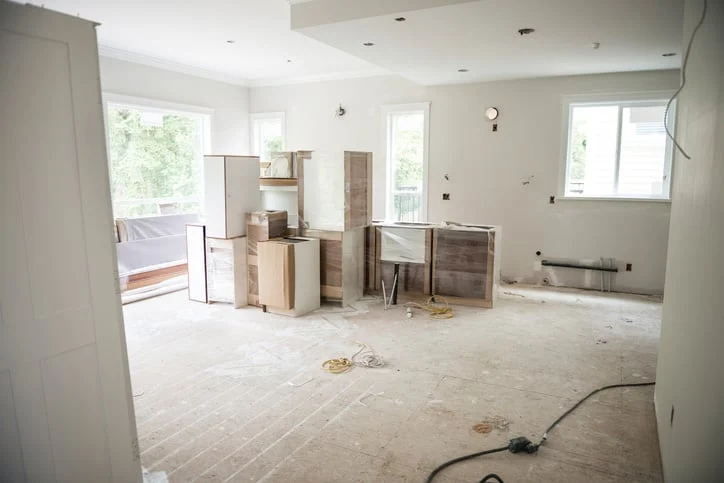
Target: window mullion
(617,169)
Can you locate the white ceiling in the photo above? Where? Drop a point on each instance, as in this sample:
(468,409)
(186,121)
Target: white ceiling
(190,36)
(482,36)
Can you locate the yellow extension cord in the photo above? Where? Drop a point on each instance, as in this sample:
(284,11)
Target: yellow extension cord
(435,311)
(364,357)
(337,366)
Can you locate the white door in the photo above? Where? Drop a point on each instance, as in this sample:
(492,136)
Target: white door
(66,411)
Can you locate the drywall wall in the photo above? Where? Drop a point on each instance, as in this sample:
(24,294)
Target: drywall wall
(689,385)
(488,171)
(230,103)
(66,408)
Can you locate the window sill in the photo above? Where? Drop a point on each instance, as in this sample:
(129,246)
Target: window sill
(592,198)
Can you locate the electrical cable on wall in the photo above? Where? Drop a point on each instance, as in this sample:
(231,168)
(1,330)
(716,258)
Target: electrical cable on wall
(683,83)
(522,444)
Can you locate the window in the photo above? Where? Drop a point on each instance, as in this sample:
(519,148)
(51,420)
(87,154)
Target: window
(407,133)
(156,159)
(618,150)
(267,134)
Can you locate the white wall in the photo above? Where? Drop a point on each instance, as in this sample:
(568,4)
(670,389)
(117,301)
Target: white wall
(487,169)
(230,103)
(689,382)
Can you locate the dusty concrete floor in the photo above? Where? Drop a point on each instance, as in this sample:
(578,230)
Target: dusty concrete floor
(238,395)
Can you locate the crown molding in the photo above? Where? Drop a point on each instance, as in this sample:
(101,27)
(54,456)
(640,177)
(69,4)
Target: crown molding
(120,54)
(282,81)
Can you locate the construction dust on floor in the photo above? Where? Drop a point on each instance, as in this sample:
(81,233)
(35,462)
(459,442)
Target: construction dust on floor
(240,395)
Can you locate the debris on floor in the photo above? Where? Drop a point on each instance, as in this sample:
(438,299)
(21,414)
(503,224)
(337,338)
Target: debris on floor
(154,476)
(367,357)
(300,385)
(514,294)
(483,428)
(498,423)
(362,399)
(601,341)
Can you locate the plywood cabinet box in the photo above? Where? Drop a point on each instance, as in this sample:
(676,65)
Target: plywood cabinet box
(342,264)
(289,275)
(226,272)
(465,264)
(231,190)
(261,226)
(335,190)
(411,248)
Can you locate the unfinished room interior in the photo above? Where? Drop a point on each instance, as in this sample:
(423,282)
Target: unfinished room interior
(361,241)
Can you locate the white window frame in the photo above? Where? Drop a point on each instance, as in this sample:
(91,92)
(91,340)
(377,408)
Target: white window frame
(623,100)
(263,116)
(387,110)
(152,105)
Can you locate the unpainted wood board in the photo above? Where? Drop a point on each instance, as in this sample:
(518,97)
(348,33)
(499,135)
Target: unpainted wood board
(428,262)
(353,266)
(460,265)
(153,277)
(330,263)
(411,279)
(276,274)
(370,258)
(277,181)
(331,293)
(378,268)
(323,234)
(300,188)
(357,190)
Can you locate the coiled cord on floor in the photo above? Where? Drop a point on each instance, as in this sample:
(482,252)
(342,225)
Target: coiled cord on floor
(515,445)
(435,311)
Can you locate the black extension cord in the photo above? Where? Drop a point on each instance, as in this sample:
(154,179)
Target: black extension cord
(523,444)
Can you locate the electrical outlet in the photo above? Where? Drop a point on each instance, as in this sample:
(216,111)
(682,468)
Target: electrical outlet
(495,127)
(552,200)
(629,267)
(446,196)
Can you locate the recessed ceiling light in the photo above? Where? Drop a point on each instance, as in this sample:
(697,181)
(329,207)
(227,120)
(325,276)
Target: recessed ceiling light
(669,54)
(463,70)
(231,41)
(368,44)
(526,31)
(400,19)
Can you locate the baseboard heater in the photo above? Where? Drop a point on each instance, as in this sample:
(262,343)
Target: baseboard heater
(606,272)
(548,263)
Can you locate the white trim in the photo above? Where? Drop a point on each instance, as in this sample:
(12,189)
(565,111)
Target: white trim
(155,104)
(261,116)
(332,76)
(595,198)
(627,99)
(386,110)
(136,58)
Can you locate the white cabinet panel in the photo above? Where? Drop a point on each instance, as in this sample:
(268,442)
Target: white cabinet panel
(231,190)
